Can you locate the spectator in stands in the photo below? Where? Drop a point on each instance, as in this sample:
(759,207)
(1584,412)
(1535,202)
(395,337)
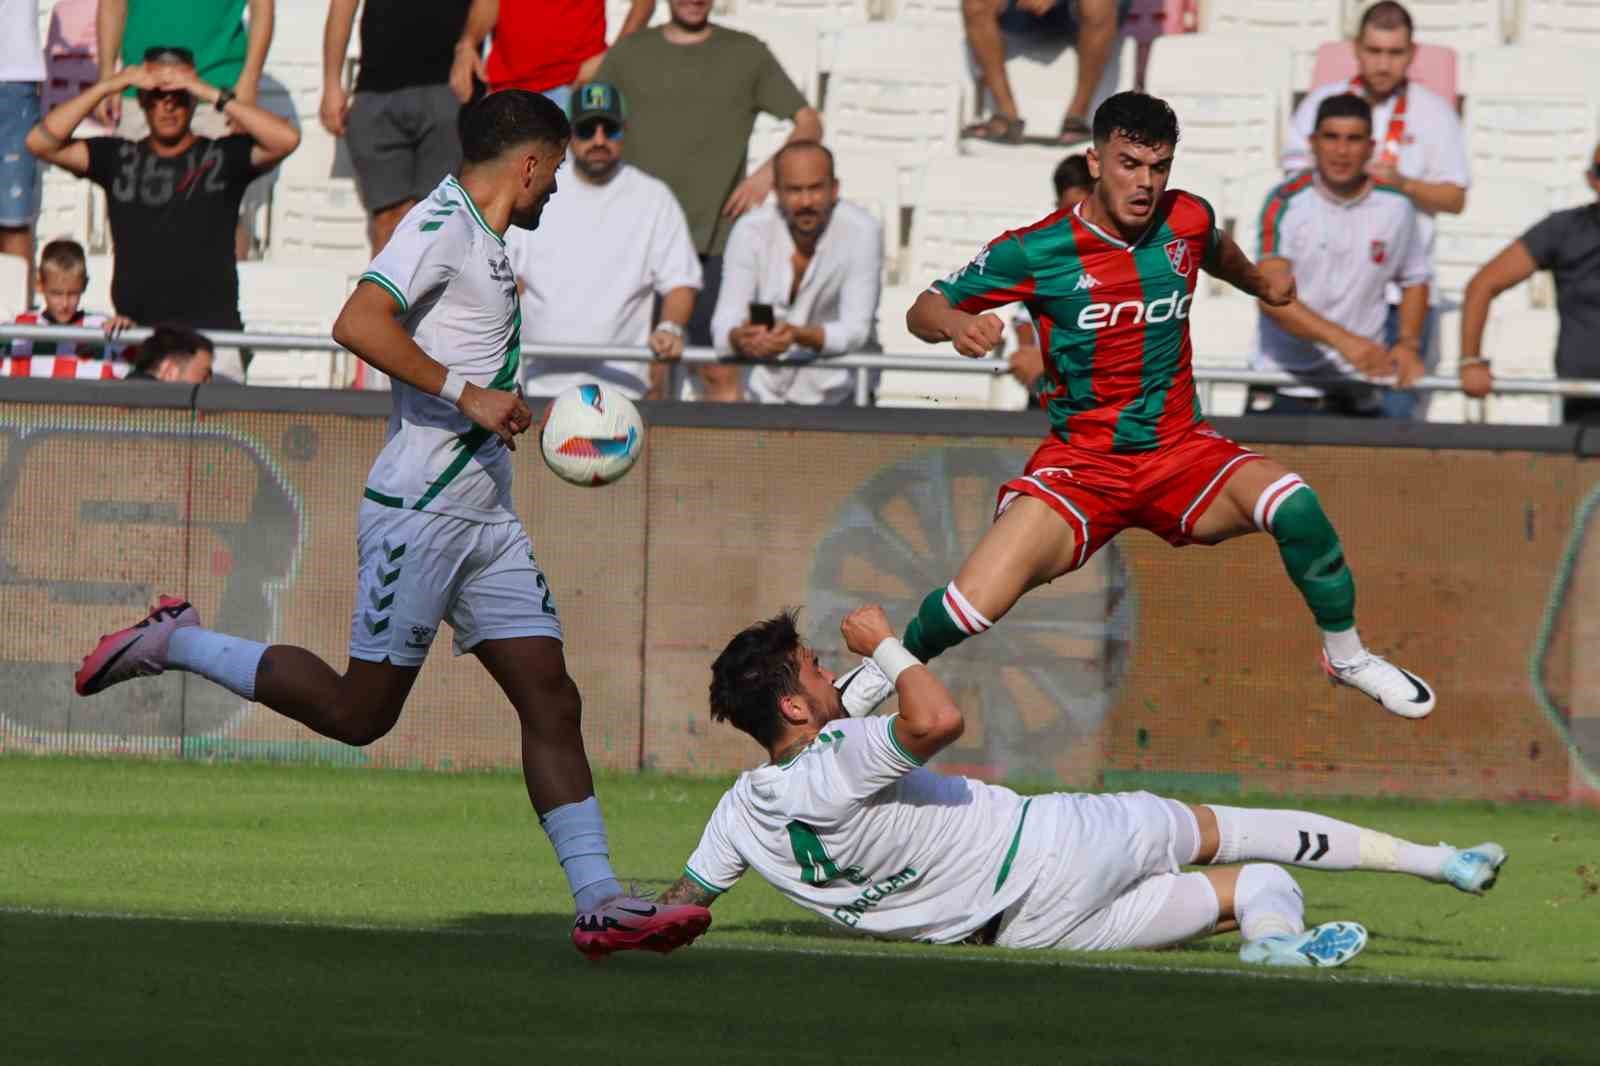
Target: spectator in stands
(21,81)
(400,123)
(549,47)
(695,89)
(63,277)
(172,196)
(591,272)
(1566,243)
(1347,236)
(816,263)
(1073,185)
(1421,149)
(1090,26)
(225,53)
(173,353)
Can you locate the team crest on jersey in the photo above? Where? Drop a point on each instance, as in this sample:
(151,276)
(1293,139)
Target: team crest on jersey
(1178,255)
(1380,251)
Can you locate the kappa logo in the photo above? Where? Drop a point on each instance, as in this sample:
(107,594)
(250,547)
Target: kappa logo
(981,260)
(1086,281)
(1178,255)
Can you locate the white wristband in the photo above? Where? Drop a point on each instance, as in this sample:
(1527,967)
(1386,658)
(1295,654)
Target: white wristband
(893,659)
(450,391)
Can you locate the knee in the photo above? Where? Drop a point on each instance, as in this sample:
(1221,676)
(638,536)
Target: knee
(979,11)
(722,383)
(1262,879)
(363,726)
(1096,15)
(553,708)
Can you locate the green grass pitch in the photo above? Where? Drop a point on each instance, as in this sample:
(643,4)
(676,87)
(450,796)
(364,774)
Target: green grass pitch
(186,913)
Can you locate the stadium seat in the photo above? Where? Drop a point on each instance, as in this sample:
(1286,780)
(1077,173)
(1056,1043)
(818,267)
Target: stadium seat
(97,296)
(941,12)
(873,181)
(13,279)
(1498,211)
(1558,22)
(319,222)
(1247,197)
(1531,112)
(1231,94)
(1433,66)
(922,388)
(291,298)
(617,13)
(831,12)
(1043,77)
(963,204)
(1460,24)
(1296,25)
(64,209)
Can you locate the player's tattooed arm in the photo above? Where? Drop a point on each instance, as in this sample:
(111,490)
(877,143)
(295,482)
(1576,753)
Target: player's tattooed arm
(683,890)
(1272,282)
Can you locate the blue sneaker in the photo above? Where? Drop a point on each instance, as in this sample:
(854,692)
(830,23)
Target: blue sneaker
(1329,944)
(1474,869)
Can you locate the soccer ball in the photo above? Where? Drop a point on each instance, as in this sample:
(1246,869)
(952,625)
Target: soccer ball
(591,435)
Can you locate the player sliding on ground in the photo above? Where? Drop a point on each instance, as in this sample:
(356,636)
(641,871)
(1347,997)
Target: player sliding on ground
(845,822)
(438,538)
(1109,284)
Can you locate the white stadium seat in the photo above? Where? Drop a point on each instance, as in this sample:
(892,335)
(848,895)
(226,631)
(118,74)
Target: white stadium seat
(97,296)
(918,388)
(1296,25)
(1461,24)
(1522,344)
(1559,22)
(1498,212)
(617,13)
(65,208)
(319,222)
(1247,196)
(291,298)
(834,12)
(1231,94)
(873,181)
(894,91)
(13,279)
(1043,77)
(943,12)
(1531,112)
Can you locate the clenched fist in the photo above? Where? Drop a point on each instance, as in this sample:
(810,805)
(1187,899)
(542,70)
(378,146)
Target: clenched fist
(979,335)
(865,628)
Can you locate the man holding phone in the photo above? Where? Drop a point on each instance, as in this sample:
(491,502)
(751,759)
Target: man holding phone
(800,281)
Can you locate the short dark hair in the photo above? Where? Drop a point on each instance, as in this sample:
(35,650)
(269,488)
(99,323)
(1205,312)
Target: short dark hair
(1386,15)
(503,120)
(167,340)
(797,146)
(757,669)
(64,255)
(1344,105)
(1072,173)
(1140,117)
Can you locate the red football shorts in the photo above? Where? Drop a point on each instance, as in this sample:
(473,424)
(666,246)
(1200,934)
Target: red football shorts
(1099,494)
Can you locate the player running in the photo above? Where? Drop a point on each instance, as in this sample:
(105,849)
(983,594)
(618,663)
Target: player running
(438,538)
(846,823)
(1110,283)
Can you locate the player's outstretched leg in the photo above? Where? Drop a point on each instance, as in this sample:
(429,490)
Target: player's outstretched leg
(1300,838)
(1264,496)
(533,673)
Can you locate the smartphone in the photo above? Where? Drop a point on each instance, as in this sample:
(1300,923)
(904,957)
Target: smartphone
(761,315)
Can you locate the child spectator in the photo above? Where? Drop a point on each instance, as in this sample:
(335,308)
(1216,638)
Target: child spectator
(63,276)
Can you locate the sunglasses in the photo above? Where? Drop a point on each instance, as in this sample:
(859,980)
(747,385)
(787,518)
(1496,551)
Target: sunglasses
(179,97)
(586,129)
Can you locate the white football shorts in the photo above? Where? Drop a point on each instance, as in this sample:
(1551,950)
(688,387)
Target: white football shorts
(418,569)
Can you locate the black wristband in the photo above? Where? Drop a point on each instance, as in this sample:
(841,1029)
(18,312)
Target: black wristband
(224,98)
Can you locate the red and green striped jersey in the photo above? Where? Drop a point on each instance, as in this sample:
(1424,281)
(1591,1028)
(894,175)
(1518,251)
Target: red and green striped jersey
(1113,318)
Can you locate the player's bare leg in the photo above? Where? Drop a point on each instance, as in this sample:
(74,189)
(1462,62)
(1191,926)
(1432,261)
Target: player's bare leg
(981,18)
(1264,496)
(532,671)
(1097,36)
(1029,545)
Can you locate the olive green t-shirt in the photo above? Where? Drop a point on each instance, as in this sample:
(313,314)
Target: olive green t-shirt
(212,29)
(690,109)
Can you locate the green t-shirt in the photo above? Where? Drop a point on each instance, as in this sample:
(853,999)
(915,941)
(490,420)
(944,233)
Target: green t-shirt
(212,29)
(690,111)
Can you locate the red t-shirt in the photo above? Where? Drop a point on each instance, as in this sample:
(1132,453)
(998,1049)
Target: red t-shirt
(540,44)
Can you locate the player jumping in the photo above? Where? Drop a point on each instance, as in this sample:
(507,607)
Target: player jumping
(438,538)
(845,822)
(1109,284)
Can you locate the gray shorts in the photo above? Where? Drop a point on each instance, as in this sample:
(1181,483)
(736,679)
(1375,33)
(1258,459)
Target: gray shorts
(402,143)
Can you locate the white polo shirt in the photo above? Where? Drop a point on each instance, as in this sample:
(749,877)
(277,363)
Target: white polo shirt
(1345,253)
(838,292)
(589,274)
(1433,146)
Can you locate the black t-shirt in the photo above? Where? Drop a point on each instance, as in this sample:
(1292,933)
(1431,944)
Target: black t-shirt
(1567,244)
(172,222)
(405,43)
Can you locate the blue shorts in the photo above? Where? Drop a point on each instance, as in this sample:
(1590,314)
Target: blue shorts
(20,187)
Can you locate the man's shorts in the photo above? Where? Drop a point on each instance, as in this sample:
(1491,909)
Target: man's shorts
(402,143)
(1060,22)
(133,125)
(1099,494)
(20,182)
(418,569)
(1110,874)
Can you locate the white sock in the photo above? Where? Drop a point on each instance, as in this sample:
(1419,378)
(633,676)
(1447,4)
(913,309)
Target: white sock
(1344,646)
(578,834)
(229,661)
(1304,839)
(1267,902)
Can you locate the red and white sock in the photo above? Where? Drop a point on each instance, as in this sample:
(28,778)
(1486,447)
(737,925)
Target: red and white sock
(966,617)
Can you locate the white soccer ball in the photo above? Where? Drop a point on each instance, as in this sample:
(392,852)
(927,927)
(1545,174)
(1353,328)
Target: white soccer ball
(591,435)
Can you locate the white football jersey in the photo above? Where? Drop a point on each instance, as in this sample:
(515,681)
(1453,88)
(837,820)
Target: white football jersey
(856,830)
(449,273)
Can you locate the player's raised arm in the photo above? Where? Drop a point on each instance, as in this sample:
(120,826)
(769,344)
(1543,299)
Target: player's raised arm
(1272,282)
(929,720)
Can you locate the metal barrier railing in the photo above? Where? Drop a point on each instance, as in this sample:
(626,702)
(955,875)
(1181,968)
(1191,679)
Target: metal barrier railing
(862,364)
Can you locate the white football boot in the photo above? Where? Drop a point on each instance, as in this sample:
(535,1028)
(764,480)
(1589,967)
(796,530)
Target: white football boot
(1329,944)
(1399,691)
(1474,869)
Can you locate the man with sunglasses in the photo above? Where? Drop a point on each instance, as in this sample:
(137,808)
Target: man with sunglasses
(1566,243)
(173,197)
(594,269)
